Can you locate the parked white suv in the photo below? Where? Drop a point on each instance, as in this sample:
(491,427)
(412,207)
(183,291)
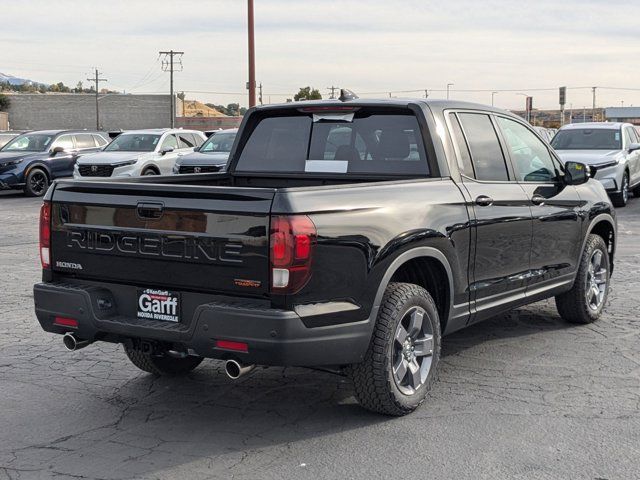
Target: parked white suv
(139,152)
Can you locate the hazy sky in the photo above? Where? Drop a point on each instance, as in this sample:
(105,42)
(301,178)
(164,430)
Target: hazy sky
(367,46)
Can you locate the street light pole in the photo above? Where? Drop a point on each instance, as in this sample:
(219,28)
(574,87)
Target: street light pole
(252,57)
(449,85)
(493,94)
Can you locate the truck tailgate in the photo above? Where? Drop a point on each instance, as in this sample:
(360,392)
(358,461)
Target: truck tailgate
(156,235)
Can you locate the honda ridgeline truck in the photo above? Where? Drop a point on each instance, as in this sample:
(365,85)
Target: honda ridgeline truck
(349,235)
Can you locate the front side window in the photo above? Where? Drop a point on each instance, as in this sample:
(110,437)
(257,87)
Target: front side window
(588,139)
(361,142)
(629,137)
(29,143)
(170,142)
(219,142)
(64,141)
(486,154)
(133,142)
(531,158)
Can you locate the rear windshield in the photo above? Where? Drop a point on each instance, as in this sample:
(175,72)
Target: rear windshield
(587,139)
(360,142)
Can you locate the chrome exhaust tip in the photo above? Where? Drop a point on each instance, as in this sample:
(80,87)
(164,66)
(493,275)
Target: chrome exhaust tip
(72,343)
(235,370)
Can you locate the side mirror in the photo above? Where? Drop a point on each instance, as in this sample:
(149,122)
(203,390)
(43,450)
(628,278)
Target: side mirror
(166,150)
(57,150)
(576,173)
(633,147)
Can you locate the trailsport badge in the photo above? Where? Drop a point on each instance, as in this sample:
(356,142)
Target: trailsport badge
(158,305)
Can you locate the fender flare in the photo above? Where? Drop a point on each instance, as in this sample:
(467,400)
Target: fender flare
(597,219)
(40,165)
(401,259)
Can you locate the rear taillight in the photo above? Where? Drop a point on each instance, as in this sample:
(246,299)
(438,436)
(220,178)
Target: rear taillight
(293,240)
(45,235)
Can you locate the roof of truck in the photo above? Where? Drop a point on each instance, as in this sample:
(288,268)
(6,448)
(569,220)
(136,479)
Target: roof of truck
(436,104)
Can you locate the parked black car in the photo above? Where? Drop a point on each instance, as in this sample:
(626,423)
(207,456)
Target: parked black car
(32,160)
(209,157)
(349,235)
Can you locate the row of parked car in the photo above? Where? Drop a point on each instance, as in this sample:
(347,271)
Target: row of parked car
(29,161)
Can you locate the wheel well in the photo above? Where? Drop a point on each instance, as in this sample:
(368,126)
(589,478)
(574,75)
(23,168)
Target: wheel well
(37,167)
(431,275)
(605,230)
(151,167)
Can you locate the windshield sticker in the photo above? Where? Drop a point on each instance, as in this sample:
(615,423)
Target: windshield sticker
(617,136)
(333,117)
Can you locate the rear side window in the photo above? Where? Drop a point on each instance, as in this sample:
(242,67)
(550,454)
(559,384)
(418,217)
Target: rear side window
(100,141)
(85,141)
(186,140)
(488,160)
(466,167)
(359,142)
(199,140)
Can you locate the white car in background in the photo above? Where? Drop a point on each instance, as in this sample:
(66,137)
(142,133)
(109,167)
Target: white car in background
(139,152)
(612,150)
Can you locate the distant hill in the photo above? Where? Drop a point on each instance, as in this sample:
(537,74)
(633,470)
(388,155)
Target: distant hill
(16,80)
(193,108)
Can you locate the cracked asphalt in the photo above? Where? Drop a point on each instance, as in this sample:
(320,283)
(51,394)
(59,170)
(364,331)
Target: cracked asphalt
(523,395)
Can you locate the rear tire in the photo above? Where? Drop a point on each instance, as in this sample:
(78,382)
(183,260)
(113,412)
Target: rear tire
(620,199)
(400,364)
(162,364)
(37,183)
(588,296)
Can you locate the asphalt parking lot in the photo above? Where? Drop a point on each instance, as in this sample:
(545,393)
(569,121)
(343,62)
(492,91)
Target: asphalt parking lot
(523,395)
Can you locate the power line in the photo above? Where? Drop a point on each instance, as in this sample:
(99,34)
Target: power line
(97,81)
(169,65)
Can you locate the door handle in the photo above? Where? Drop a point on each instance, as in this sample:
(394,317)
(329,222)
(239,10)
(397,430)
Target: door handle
(538,200)
(484,201)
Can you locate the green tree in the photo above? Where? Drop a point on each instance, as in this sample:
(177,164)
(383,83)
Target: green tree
(307,93)
(4,102)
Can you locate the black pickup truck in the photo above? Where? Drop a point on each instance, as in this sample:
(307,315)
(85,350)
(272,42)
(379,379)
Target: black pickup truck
(348,235)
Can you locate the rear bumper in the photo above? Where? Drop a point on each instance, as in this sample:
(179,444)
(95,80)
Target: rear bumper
(274,337)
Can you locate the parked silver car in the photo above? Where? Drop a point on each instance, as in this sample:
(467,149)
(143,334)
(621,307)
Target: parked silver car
(139,152)
(611,149)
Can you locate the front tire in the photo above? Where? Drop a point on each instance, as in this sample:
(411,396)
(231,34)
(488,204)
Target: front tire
(163,364)
(37,183)
(588,296)
(620,199)
(400,364)
(149,171)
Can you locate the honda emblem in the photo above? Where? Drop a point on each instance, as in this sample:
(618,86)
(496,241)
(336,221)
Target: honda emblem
(94,168)
(196,169)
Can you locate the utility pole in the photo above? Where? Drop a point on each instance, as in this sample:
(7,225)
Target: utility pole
(251,85)
(260,94)
(333,92)
(168,65)
(426,93)
(593,111)
(97,81)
